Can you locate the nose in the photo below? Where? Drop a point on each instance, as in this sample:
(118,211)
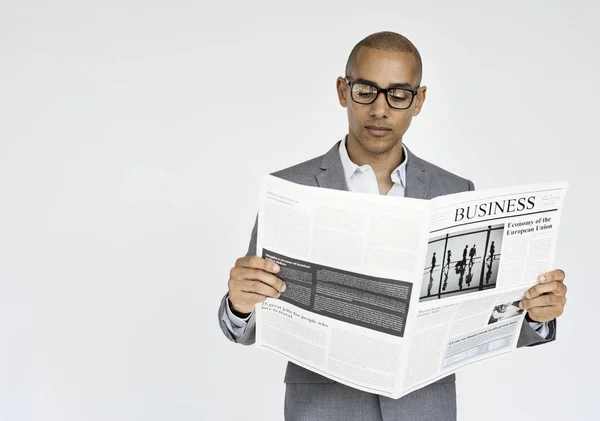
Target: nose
(379,108)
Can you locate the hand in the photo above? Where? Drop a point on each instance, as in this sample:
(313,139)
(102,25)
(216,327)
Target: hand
(251,281)
(546,301)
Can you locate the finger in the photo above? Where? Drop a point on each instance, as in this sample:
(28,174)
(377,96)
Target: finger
(555,275)
(556,287)
(256,262)
(237,274)
(261,276)
(259,288)
(543,301)
(243,301)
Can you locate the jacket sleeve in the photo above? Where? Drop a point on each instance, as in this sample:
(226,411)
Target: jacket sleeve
(529,337)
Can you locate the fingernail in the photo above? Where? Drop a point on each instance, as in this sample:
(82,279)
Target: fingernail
(542,278)
(276,268)
(521,304)
(283,288)
(527,295)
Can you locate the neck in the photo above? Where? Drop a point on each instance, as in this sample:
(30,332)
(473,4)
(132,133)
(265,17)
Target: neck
(383,163)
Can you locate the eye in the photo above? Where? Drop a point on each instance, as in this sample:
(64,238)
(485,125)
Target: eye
(364,94)
(398,95)
(364,89)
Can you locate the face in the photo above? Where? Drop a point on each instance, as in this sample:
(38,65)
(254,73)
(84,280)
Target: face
(383,69)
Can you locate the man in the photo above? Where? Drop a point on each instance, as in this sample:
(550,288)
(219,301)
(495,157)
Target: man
(492,251)
(472,254)
(382,92)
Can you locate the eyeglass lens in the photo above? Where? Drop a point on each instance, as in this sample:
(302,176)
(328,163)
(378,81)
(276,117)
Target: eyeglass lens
(365,94)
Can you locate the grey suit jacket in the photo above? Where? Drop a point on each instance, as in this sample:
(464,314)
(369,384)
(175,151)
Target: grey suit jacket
(310,396)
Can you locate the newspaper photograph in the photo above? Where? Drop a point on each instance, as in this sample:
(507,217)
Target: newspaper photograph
(469,269)
(389,294)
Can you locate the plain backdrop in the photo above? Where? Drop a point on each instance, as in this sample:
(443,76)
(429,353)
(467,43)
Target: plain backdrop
(133,135)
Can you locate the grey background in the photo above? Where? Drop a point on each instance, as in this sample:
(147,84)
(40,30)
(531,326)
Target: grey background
(130,157)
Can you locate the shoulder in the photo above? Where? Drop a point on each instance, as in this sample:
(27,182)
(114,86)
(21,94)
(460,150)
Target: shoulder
(302,173)
(443,181)
(306,172)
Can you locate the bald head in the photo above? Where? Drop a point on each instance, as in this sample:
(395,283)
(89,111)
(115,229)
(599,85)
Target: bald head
(385,41)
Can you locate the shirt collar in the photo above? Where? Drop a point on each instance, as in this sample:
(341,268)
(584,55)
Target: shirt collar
(350,168)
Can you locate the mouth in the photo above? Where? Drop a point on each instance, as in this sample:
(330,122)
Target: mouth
(378,130)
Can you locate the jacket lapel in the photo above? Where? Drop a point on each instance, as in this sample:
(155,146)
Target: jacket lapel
(417,178)
(333,175)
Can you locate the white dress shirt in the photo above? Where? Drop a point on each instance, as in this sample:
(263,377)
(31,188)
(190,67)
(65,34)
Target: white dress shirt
(363,180)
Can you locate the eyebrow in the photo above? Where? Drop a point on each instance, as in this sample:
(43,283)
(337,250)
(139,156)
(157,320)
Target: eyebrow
(393,85)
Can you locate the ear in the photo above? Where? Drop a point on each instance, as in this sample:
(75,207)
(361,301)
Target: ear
(341,85)
(420,99)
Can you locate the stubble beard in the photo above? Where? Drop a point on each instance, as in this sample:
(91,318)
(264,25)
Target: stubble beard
(378,145)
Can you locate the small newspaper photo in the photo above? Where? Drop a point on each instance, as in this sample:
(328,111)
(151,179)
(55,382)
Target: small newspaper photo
(389,294)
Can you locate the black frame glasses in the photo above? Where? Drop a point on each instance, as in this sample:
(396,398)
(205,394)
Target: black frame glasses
(380,90)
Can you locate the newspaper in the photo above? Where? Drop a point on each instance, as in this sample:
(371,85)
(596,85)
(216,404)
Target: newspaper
(388,294)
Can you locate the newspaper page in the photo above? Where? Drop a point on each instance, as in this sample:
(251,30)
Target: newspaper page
(349,261)
(388,294)
(485,250)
